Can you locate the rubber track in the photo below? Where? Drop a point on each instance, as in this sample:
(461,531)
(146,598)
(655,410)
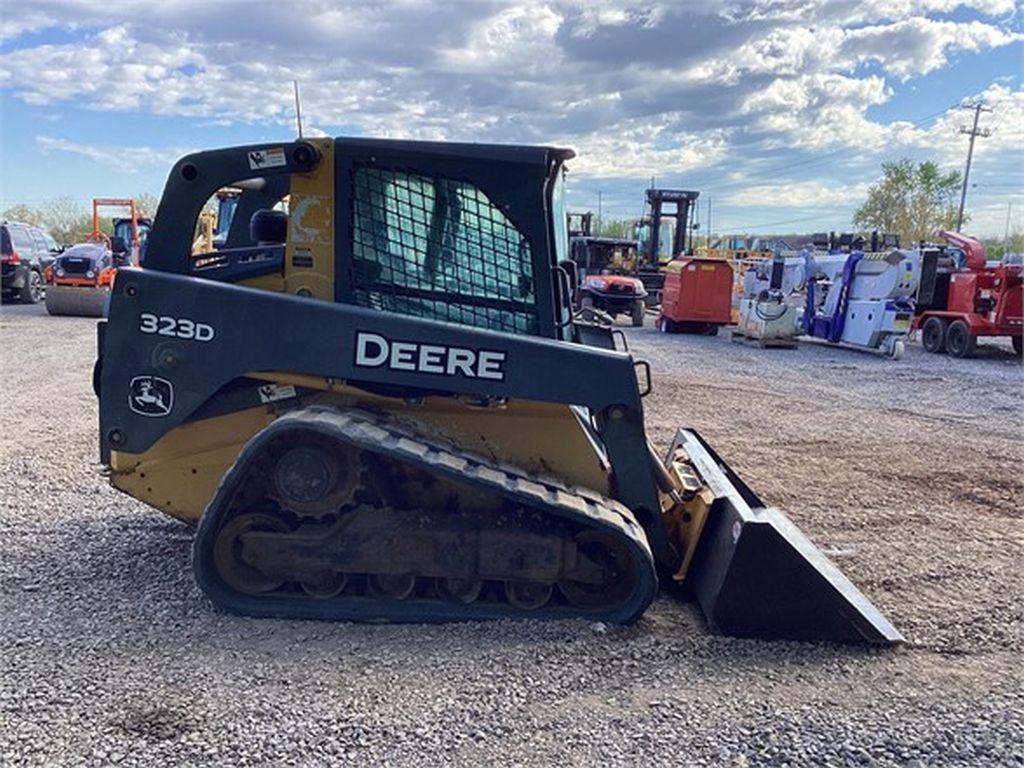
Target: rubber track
(364,430)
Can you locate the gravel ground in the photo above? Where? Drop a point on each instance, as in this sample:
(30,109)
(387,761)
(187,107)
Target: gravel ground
(907,472)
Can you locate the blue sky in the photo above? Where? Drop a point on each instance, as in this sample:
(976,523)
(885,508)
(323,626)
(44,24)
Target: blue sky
(779,112)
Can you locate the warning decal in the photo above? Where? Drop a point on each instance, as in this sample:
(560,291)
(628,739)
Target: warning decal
(266,158)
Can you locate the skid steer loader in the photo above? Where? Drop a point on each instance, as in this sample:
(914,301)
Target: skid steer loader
(377,407)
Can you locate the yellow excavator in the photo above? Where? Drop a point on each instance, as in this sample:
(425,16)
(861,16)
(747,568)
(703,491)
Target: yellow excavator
(378,406)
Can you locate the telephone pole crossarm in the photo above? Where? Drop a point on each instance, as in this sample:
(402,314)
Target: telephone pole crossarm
(974,132)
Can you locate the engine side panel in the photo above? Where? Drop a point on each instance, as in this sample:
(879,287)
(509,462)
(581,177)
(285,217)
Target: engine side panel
(180,472)
(172,343)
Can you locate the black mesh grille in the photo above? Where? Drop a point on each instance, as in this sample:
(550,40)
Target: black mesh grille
(439,248)
(75,266)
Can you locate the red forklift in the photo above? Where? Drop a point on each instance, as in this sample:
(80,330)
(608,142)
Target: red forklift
(962,296)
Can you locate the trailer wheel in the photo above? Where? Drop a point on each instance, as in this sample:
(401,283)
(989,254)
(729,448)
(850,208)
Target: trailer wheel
(1018,345)
(665,325)
(638,313)
(960,342)
(933,335)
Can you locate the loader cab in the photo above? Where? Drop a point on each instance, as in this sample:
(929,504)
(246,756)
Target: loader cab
(464,233)
(122,239)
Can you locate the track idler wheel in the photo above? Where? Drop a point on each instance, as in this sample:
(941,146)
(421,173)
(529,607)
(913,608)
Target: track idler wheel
(325,585)
(227,553)
(460,590)
(394,586)
(528,595)
(615,562)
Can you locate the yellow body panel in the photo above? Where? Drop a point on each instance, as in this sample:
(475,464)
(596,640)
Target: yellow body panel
(179,474)
(309,252)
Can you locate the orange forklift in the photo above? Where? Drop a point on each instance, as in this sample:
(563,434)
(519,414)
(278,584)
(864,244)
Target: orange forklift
(78,282)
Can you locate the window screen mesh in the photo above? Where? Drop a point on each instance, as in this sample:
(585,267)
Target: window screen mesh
(439,248)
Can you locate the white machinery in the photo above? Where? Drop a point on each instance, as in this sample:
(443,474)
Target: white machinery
(765,312)
(861,300)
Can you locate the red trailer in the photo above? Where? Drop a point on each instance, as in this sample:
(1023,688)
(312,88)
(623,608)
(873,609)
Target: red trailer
(697,296)
(964,297)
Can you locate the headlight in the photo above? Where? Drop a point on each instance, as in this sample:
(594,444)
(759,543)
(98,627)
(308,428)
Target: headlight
(599,284)
(90,273)
(60,272)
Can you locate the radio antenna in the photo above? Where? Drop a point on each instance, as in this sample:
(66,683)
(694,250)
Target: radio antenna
(298,107)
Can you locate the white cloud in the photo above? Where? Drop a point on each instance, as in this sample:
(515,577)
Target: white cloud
(819,111)
(521,38)
(123,158)
(639,88)
(639,151)
(919,45)
(806,194)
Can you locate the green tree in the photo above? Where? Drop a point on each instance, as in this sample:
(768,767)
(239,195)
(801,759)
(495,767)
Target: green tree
(146,203)
(68,221)
(911,199)
(615,228)
(26,214)
(997,247)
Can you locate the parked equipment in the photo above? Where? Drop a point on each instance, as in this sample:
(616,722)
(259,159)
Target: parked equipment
(766,314)
(380,408)
(579,223)
(78,282)
(674,204)
(603,268)
(697,296)
(214,223)
(963,296)
(861,300)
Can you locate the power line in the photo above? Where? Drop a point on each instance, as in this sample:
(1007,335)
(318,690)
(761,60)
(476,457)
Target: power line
(812,161)
(775,223)
(973,132)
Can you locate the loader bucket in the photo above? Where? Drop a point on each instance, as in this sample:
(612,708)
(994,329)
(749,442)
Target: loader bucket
(755,574)
(75,300)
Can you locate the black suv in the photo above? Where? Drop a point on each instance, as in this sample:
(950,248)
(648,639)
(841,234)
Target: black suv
(25,251)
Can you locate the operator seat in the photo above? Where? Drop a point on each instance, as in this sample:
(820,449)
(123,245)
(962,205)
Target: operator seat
(269,227)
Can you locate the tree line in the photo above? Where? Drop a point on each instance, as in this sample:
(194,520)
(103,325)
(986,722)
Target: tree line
(68,221)
(913,200)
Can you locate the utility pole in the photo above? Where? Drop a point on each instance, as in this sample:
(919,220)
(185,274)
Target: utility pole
(1006,232)
(973,132)
(707,233)
(600,210)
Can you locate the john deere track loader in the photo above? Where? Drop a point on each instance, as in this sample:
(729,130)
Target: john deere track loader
(377,406)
